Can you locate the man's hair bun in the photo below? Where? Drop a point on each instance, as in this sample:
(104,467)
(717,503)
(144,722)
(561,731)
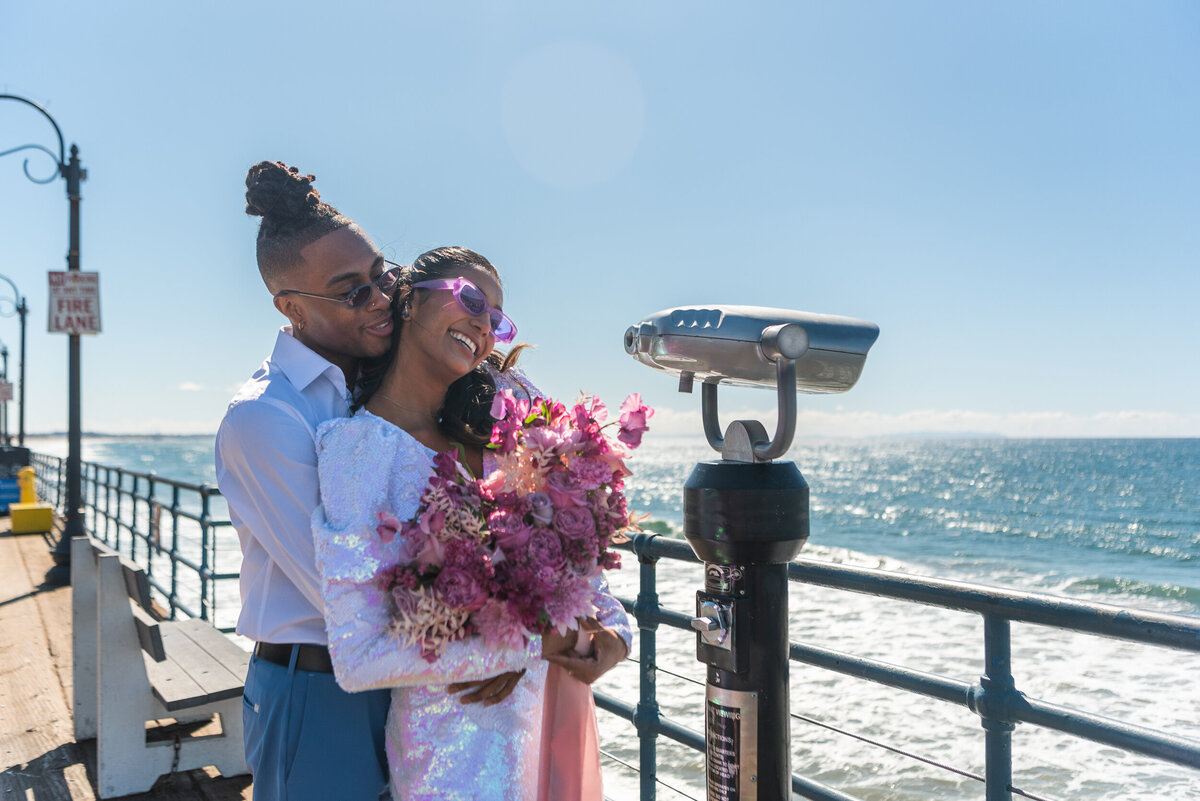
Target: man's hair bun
(293,215)
(276,190)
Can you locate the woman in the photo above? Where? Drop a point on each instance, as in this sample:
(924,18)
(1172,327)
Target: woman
(430,395)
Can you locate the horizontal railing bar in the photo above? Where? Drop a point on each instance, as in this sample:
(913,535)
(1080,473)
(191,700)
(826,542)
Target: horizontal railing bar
(1153,628)
(1126,736)
(1107,731)
(676,620)
(665,726)
(657,546)
(816,791)
(902,678)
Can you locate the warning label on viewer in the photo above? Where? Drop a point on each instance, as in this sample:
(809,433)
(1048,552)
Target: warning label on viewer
(724,740)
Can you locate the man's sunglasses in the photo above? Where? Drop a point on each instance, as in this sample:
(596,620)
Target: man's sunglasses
(387,282)
(474,302)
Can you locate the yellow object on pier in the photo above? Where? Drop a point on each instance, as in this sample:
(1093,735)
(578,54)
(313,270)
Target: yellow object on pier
(27,481)
(29,516)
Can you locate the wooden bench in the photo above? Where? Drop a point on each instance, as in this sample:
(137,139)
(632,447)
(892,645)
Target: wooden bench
(131,668)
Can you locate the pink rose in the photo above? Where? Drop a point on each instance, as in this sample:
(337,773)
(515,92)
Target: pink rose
(564,489)
(545,551)
(510,531)
(457,587)
(634,415)
(575,523)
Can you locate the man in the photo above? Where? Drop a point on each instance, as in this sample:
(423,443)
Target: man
(306,738)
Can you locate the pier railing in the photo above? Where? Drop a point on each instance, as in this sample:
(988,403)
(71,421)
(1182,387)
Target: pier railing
(994,698)
(172,528)
(181,533)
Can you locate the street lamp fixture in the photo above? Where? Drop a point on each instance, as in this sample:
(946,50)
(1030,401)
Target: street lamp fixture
(74,174)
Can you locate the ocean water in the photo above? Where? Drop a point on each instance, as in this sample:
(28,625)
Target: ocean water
(1116,521)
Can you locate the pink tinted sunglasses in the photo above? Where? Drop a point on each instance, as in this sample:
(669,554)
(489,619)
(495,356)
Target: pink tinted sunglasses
(474,302)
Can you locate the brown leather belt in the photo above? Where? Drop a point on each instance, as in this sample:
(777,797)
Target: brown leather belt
(312,658)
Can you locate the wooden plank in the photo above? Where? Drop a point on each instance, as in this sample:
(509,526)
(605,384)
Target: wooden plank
(136,584)
(173,686)
(218,645)
(214,663)
(198,669)
(149,634)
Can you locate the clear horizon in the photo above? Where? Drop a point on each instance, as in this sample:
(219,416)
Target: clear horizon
(1006,189)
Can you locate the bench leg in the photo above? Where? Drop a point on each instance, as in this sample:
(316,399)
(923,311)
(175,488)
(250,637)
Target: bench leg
(84,589)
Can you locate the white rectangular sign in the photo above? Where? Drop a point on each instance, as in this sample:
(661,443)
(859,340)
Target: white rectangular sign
(74,302)
(6,391)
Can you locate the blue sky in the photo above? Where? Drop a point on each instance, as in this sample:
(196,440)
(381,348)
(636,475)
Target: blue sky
(1009,190)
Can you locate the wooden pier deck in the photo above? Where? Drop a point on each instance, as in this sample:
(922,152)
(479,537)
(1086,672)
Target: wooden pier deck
(39,757)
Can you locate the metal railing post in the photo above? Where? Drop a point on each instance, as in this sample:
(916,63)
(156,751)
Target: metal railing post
(991,699)
(647,714)
(174,547)
(205,520)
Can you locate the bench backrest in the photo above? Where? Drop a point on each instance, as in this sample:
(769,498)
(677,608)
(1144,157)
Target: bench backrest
(137,587)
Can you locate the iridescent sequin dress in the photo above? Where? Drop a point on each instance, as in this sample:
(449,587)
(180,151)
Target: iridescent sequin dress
(437,747)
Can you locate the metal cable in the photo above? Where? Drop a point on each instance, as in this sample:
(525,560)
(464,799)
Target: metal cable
(878,744)
(657,780)
(911,755)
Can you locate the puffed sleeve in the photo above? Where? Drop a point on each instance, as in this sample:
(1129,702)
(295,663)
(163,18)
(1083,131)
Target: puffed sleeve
(366,466)
(610,612)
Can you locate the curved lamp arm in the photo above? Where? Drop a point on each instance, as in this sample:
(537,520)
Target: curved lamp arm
(59,161)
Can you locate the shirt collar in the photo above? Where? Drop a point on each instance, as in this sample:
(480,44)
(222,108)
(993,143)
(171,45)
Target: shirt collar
(302,365)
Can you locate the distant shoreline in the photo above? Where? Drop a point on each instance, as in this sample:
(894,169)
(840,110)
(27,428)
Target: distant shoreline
(923,435)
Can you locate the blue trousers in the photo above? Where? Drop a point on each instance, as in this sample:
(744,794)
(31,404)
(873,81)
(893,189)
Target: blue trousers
(307,739)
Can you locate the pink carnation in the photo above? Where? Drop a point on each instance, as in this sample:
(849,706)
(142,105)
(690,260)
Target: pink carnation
(500,626)
(591,472)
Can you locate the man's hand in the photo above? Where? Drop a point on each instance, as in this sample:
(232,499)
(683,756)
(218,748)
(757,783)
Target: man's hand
(608,649)
(489,691)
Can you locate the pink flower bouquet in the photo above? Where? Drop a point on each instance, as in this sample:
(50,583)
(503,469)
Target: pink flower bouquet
(515,553)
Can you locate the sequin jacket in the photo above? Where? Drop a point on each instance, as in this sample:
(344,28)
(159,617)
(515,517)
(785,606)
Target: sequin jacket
(366,464)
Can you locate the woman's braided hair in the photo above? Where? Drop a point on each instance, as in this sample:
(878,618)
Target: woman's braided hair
(293,215)
(465,416)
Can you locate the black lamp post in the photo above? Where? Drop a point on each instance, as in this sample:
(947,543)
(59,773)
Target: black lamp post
(71,171)
(7,437)
(21,310)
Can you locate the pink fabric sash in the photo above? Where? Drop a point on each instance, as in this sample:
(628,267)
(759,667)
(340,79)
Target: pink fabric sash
(570,765)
